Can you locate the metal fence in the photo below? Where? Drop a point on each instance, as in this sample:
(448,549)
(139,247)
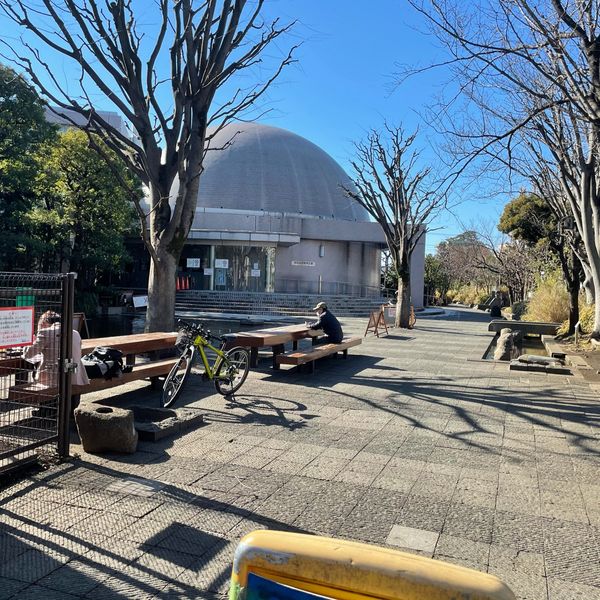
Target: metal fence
(35,383)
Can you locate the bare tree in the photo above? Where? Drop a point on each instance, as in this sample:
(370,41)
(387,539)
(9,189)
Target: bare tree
(461,256)
(400,196)
(512,262)
(163,81)
(532,65)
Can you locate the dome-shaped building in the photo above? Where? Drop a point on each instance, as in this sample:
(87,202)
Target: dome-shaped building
(273,216)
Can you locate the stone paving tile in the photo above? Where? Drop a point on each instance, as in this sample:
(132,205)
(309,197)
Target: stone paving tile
(410,538)
(77,577)
(506,558)
(10,587)
(462,551)
(572,551)
(559,589)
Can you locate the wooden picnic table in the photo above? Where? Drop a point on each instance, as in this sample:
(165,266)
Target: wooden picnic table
(131,345)
(276,337)
(28,392)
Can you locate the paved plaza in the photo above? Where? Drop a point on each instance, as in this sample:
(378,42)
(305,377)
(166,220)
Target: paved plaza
(412,442)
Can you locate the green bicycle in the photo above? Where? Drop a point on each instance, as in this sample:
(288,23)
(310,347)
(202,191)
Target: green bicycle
(229,370)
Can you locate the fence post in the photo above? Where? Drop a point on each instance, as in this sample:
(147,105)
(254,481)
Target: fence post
(66,355)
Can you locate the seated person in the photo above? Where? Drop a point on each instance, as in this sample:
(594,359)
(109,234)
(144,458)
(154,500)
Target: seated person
(45,352)
(495,305)
(328,323)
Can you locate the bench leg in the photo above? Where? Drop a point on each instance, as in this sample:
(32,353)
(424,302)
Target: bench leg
(279,349)
(345,353)
(311,366)
(295,345)
(314,341)
(254,357)
(155,383)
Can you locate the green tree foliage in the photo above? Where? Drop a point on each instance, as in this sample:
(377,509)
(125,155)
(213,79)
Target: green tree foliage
(437,277)
(83,212)
(23,129)
(528,218)
(531,219)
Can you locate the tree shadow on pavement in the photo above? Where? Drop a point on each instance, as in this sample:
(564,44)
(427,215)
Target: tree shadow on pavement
(103,551)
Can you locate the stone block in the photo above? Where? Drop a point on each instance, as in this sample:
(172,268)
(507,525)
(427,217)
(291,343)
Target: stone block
(106,429)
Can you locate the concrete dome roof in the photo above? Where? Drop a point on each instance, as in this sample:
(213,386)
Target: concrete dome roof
(274,170)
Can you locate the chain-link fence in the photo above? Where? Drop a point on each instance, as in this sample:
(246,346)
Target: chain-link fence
(34,381)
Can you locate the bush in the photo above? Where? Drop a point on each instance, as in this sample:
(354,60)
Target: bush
(518,310)
(586,315)
(468,294)
(549,302)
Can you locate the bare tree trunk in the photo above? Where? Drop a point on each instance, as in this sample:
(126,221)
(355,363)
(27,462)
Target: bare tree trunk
(161,292)
(589,227)
(403,304)
(588,284)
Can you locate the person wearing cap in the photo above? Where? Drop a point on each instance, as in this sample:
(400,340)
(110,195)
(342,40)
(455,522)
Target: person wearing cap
(328,323)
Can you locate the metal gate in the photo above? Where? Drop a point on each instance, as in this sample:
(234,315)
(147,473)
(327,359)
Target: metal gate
(35,359)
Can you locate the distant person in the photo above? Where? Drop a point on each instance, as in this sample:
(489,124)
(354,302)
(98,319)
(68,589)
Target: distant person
(496,306)
(328,323)
(45,352)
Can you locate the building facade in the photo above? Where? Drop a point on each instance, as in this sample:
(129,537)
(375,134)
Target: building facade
(273,216)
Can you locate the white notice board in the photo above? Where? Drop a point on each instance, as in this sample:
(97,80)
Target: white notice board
(193,263)
(255,273)
(140,301)
(221,263)
(16,326)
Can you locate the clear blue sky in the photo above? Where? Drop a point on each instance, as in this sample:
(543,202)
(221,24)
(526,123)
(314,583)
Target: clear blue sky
(343,84)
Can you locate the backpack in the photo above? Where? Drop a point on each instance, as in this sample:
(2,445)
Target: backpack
(104,362)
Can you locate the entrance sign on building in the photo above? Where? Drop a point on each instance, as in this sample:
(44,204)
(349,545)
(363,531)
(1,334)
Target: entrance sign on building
(16,327)
(304,263)
(208,271)
(221,263)
(255,273)
(193,263)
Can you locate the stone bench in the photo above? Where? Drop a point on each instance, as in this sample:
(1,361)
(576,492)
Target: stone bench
(525,327)
(308,357)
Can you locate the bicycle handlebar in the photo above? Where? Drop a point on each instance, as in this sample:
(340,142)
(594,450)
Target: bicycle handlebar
(199,328)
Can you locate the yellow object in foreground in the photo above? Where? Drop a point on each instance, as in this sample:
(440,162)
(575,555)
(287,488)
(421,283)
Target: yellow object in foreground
(276,564)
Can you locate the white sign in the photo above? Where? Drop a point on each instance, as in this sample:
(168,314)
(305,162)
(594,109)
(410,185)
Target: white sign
(303,263)
(208,271)
(255,273)
(16,327)
(193,263)
(255,266)
(221,263)
(140,301)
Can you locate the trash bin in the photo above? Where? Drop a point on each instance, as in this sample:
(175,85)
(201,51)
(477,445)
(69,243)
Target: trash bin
(25,297)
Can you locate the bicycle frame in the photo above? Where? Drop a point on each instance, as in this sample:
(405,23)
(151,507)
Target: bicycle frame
(201,343)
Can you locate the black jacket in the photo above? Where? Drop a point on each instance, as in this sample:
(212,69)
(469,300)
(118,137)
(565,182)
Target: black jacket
(330,325)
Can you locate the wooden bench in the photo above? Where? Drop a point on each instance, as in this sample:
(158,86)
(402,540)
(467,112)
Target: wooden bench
(308,357)
(36,394)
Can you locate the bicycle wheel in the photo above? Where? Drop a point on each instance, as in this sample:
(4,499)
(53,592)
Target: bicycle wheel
(232,371)
(176,377)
